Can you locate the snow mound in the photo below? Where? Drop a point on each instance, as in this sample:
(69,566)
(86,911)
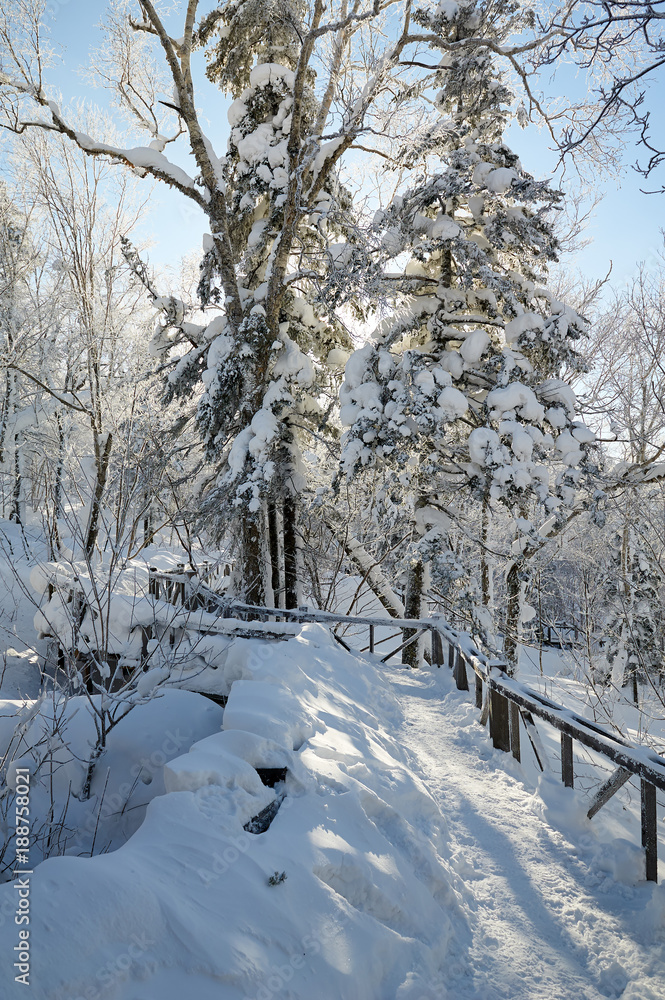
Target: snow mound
(346,893)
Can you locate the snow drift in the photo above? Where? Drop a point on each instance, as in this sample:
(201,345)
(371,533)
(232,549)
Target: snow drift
(342,895)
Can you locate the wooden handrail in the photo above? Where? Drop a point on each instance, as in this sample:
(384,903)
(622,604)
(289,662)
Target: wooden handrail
(509,701)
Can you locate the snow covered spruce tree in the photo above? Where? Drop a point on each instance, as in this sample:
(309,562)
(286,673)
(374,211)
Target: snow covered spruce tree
(462,391)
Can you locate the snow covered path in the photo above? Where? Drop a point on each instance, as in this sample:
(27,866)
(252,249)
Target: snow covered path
(548,921)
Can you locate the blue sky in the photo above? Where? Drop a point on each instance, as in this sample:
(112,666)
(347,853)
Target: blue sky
(625,227)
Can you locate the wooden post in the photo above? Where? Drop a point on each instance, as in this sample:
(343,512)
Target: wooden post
(567,775)
(535,740)
(451,656)
(649,830)
(371,638)
(146,635)
(437,648)
(515,731)
(179,590)
(479,691)
(499,721)
(461,680)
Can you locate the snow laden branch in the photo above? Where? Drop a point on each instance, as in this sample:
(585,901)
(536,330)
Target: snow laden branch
(141,159)
(620,45)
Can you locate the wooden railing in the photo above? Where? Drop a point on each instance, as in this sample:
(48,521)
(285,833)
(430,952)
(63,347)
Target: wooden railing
(508,706)
(512,706)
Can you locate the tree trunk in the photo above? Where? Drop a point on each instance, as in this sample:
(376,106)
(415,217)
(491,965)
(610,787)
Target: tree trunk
(513,617)
(485,568)
(290,535)
(54,540)
(103,457)
(252,560)
(15,514)
(372,573)
(412,609)
(630,669)
(273,543)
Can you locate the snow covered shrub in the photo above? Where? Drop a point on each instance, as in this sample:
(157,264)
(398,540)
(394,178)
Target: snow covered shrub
(51,739)
(112,644)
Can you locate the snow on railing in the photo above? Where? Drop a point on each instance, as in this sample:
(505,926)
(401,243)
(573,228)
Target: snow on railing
(504,702)
(508,706)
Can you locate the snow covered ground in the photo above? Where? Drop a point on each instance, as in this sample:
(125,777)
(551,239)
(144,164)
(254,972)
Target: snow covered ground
(556,911)
(405,860)
(367,906)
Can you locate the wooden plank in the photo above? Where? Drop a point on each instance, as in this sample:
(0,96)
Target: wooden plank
(515,731)
(341,642)
(649,830)
(535,740)
(329,616)
(499,721)
(567,775)
(407,642)
(437,648)
(615,781)
(461,679)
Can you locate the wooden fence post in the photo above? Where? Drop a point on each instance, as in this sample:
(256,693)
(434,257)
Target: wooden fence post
(479,691)
(179,590)
(515,731)
(567,760)
(437,648)
(499,721)
(461,679)
(371,638)
(649,829)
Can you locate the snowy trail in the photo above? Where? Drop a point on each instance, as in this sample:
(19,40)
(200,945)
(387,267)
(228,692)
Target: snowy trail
(548,923)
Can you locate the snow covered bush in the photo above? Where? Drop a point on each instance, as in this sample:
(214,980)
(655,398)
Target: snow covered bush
(363,846)
(51,738)
(633,632)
